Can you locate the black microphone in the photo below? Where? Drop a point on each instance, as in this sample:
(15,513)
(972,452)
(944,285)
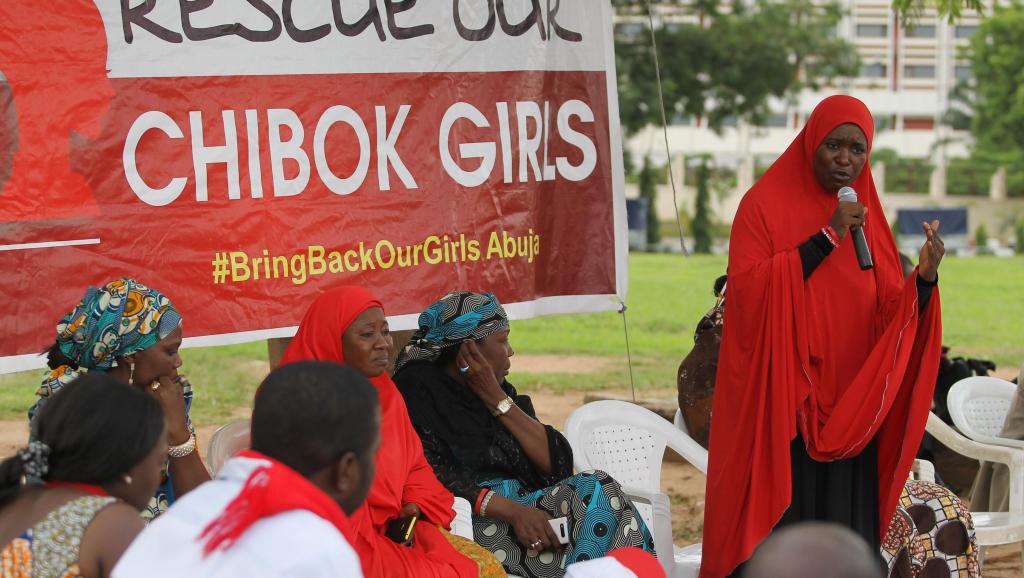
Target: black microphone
(860,243)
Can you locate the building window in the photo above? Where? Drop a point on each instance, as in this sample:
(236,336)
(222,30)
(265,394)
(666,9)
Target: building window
(918,123)
(963,72)
(966,31)
(872,30)
(776,121)
(873,70)
(919,71)
(882,122)
(922,31)
(629,30)
(729,120)
(682,120)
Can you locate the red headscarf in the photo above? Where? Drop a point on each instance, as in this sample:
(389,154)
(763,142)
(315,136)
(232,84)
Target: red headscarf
(844,356)
(403,474)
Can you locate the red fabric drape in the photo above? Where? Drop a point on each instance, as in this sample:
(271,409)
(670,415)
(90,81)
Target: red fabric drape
(403,474)
(270,490)
(844,356)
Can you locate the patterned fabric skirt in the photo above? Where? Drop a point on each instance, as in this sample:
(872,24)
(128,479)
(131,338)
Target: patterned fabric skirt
(931,535)
(600,518)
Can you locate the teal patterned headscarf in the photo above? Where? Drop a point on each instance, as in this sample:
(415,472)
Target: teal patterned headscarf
(453,319)
(122,317)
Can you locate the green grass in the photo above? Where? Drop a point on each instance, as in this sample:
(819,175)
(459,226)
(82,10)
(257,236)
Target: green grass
(225,379)
(982,303)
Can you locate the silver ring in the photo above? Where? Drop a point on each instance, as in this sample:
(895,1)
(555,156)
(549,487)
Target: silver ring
(535,544)
(464,369)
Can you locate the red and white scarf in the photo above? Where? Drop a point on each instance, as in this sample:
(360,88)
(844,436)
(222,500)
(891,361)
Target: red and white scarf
(270,490)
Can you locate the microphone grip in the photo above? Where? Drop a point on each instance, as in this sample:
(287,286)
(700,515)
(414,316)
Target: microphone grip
(860,246)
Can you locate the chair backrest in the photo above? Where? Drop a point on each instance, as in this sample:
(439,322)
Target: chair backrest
(628,442)
(228,440)
(979,405)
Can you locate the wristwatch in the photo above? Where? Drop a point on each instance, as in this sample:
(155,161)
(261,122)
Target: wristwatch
(503,407)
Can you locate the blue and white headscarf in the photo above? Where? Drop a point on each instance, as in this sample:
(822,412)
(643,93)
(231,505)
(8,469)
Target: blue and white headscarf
(120,318)
(453,319)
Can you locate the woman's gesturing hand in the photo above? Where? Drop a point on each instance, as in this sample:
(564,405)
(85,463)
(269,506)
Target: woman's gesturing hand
(931,252)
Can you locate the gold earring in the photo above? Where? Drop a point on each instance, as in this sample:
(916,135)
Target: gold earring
(127,480)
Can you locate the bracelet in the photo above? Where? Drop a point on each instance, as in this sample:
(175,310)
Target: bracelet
(184,449)
(483,504)
(830,234)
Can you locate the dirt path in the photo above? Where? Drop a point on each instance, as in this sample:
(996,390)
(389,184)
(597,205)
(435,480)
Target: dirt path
(683,483)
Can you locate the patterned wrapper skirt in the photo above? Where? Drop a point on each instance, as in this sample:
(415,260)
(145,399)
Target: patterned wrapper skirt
(600,517)
(931,535)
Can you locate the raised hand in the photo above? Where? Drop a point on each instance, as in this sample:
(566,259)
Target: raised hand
(931,252)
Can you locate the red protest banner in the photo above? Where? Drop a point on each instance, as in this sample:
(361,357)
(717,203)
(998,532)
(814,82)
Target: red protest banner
(241,177)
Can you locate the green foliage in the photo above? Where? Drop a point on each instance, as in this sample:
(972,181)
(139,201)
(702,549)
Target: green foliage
(951,10)
(970,176)
(737,60)
(702,227)
(981,237)
(903,174)
(648,190)
(1019,241)
(997,119)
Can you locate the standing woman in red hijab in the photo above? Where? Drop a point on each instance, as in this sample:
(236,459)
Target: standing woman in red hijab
(347,325)
(826,371)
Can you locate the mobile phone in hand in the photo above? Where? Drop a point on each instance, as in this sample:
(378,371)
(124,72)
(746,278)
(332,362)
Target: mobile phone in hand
(400,529)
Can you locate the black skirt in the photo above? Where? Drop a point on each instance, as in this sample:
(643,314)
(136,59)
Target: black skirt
(843,491)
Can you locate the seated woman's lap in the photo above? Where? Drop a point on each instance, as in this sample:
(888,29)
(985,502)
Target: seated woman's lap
(599,515)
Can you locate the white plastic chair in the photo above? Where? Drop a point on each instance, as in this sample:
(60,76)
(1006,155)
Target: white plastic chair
(979,405)
(628,442)
(991,528)
(226,441)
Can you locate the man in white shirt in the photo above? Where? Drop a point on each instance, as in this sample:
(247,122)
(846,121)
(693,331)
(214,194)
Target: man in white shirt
(278,510)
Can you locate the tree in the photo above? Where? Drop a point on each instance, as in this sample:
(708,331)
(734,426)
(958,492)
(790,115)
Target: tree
(702,227)
(731,66)
(951,10)
(648,190)
(996,108)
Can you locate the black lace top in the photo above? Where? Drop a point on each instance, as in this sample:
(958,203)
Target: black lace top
(467,445)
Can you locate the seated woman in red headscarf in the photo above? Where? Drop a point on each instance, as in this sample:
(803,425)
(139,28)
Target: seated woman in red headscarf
(826,370)
(347,325)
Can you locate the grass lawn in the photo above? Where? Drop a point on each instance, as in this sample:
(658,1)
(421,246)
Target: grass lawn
(982,302)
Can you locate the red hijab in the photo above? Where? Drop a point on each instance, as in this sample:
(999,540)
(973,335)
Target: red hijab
(403,474)
(843,357)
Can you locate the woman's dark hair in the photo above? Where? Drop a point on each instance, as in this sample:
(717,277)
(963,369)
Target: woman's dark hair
(96,429)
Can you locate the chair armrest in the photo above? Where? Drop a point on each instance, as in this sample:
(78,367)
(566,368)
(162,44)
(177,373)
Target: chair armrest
(662,527)
(462,525)
(1012,458)
(1003,442)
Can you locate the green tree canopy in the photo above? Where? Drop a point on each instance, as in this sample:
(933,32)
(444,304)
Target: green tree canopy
(995,98)
(733,64)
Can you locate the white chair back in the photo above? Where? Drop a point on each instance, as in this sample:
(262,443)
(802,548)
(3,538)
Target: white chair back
(628,442)
(228,440)
(979,405)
